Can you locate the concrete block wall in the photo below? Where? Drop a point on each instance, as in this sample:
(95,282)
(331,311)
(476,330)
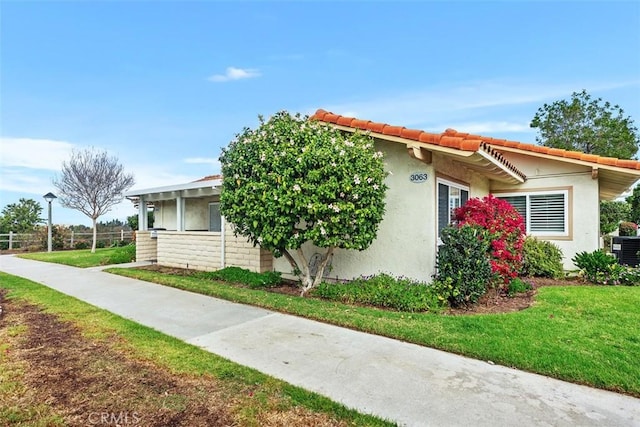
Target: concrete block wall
(243,254)
(200,250)
(146,247)
(194,250)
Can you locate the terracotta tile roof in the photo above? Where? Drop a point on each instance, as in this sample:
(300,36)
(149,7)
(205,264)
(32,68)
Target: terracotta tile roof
(465,141)
(209,178)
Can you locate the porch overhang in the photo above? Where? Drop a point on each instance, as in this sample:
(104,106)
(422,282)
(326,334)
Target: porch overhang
(172,192)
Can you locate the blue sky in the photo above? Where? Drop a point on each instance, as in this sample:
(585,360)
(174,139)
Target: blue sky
(165,85)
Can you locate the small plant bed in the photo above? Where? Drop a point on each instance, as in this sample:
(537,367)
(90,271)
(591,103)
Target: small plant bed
(491,302)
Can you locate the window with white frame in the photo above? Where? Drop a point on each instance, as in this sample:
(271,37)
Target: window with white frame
(215,219)
(451,195)
(545,213)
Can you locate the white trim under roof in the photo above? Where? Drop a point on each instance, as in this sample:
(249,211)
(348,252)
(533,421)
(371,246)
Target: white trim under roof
(213,183)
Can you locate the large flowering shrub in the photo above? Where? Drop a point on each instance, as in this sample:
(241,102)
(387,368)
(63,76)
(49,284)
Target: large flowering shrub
(294,180)
(504,229)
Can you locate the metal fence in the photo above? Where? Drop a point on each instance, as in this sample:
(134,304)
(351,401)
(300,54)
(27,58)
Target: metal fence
(69,240)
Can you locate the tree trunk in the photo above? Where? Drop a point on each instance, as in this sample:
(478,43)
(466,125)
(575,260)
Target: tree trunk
(323,265)
(95,235)
(304,273)
(305,277)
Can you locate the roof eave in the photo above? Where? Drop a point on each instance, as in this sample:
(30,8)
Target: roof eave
(175,188)
(477,160)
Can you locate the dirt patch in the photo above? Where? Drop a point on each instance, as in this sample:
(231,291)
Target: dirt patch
(89,382)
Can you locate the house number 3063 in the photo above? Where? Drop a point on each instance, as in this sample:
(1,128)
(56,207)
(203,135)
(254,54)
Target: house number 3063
(418,177)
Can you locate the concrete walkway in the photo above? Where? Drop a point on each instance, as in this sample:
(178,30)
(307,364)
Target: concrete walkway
(405,383)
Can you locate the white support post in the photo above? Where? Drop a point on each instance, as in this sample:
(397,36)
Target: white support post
(71,243)
(179,213)
(142,214)
(10,240)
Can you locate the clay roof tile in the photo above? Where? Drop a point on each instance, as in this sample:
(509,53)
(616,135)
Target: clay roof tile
(376,127)
(360,124)
(392,130)
(451,141)
(410,133)
(345,121)
(470,144)
(467,142)
(430,138)
(331,118)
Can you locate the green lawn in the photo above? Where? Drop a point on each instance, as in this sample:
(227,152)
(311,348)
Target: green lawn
(178,357)
(81,258)
(583,334)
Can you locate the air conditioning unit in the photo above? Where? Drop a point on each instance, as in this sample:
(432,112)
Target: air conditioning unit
(626,248)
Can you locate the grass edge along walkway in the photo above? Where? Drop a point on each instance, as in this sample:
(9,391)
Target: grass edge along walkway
(581,334)
(83,258)
(171,353)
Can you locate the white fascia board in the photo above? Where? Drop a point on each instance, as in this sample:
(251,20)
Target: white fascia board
(178,187)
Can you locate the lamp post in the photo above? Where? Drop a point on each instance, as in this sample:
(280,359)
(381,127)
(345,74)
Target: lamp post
(49,198)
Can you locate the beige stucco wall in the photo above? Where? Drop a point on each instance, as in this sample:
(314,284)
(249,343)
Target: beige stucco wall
(449,169)
(165,214)
(584,211)
(196,214)
(406,239)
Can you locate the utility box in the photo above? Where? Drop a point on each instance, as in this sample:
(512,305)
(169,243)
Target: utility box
(153,232)
(626,248)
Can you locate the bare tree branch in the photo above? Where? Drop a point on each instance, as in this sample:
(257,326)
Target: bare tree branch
(92,182)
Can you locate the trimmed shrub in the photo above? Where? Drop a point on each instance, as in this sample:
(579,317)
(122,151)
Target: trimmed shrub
(628,229)
(384,291)
(505,234)
(463,264)
(598,267)
(268,279)
(81,244)
(541,258)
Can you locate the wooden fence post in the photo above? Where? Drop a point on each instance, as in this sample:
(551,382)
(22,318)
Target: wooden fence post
(71,243)
(10,240)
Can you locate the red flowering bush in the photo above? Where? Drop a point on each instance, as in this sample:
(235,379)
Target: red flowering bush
(628,229)
(504,228)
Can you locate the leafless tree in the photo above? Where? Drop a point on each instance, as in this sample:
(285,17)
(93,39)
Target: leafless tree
(92,182)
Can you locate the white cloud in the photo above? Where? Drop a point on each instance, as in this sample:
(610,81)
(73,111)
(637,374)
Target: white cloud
(34,153)
(215,163)
(233,73)
(459,101)
(486,128)
(25,181)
